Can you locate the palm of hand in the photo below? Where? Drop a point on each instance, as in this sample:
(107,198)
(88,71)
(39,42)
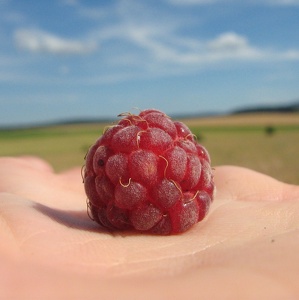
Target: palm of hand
(250,238)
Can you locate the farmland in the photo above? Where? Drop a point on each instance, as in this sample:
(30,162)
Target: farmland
(268,143)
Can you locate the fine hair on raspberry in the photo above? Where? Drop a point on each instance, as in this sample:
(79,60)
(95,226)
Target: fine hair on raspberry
(148,173)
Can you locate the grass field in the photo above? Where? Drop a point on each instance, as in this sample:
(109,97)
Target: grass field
(268,143)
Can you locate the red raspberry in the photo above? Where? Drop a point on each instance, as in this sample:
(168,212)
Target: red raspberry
(148,173)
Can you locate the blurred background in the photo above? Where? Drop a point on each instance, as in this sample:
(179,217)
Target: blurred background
(228,68)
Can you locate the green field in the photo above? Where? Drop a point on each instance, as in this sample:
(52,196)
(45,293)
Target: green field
(266,143)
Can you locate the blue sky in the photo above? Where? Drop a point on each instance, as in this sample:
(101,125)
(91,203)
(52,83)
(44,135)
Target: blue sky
(64,59)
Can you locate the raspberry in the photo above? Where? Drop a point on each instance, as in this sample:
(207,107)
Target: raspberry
(149,174)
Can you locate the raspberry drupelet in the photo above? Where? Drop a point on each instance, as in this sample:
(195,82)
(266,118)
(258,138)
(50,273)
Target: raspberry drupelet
(149,174)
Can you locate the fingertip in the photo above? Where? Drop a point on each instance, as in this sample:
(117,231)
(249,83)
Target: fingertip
(244,184)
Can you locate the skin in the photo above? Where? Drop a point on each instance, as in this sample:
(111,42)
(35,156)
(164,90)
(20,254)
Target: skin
(246,248)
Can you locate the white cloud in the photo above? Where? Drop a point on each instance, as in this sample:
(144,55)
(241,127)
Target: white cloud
(290,55)
(40,41)
(156,42)
(160,43)
(229,41)
(164,46)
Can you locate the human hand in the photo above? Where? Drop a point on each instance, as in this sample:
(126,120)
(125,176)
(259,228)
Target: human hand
(247,247)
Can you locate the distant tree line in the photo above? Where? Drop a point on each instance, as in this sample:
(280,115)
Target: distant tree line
(291,108)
